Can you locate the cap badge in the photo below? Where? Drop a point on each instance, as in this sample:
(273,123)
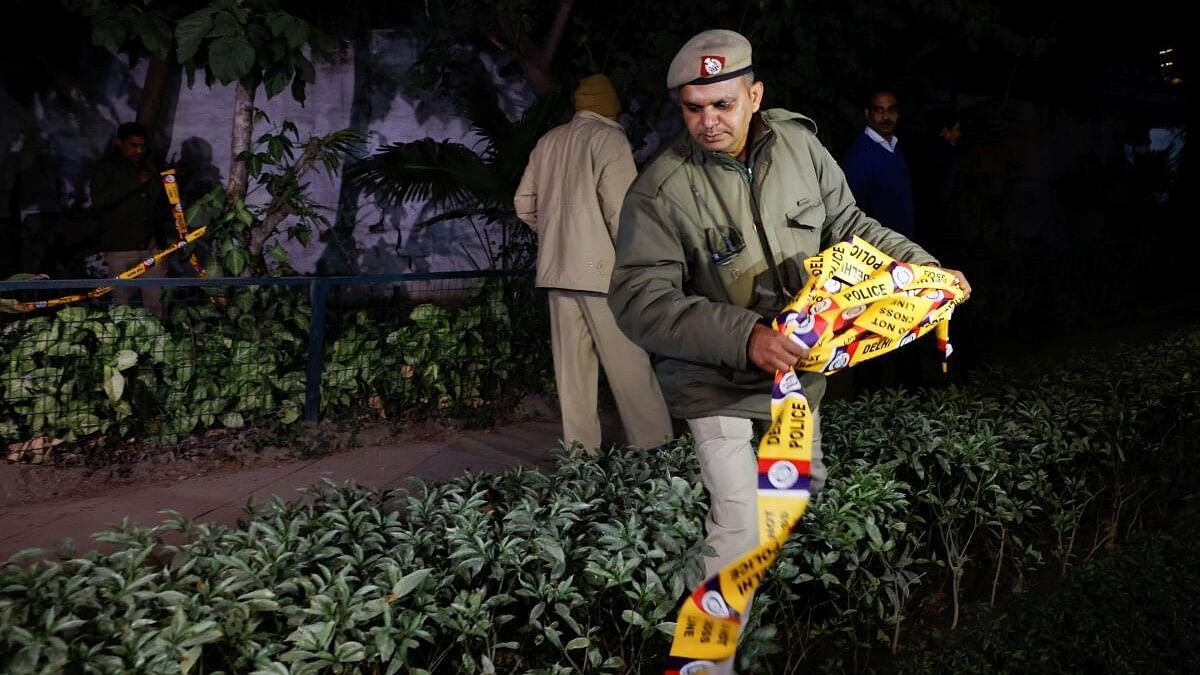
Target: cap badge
(711,65)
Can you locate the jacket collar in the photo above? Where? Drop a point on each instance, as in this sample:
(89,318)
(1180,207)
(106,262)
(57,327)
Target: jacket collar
(588,114)
(773,119)
(774,116)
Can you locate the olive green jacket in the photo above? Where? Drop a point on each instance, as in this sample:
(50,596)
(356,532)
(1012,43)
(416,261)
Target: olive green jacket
(707,248)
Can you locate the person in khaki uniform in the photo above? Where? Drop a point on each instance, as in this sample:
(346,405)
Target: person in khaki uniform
(570,195)
(713,235)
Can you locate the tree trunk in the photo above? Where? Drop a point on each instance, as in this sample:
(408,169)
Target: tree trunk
(535,61)
(341,254)
(152,92)
(243,128)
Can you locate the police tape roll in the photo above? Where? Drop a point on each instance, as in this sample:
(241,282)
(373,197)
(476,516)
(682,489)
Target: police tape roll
(185,237)
(858,304)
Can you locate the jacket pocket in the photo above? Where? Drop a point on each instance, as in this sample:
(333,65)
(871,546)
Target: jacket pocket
(805,223)
(724,247)
(731,266)
(807,215)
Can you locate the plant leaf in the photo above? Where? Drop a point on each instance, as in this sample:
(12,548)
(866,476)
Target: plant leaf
(190,33)
(230,59)
(126,359)
(114,383)
(447,174)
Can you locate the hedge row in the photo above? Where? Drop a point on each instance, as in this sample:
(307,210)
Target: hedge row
(955,495)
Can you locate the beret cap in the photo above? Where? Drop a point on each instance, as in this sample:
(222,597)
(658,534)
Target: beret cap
(711,56)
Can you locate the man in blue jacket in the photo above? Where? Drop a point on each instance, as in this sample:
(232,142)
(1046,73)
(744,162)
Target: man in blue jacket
(876,168)
(878,175)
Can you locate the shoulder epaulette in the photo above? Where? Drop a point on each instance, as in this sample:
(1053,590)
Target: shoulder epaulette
(661,168)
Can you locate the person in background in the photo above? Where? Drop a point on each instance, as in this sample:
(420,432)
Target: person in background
(130,205)
(937,184)
(876,168)
(570,195)
(880,178)
(938,194)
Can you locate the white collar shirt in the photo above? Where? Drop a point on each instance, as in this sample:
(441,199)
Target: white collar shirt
(889,145)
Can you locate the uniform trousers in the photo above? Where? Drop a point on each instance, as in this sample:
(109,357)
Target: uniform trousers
(729,470)
(119,261)
(584,336)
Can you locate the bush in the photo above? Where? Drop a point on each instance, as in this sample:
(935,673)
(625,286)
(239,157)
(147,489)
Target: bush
(239,356)
(959,494)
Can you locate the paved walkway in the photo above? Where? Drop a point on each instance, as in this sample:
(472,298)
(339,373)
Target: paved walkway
(221,497)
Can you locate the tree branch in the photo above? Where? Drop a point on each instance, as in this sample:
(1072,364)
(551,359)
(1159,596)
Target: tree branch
(279,208)
(535,61)
(556,32)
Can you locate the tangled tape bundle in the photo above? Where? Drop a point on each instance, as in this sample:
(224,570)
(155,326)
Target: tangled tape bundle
(858,304)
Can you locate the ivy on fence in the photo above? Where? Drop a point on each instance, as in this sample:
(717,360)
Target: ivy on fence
(91,375)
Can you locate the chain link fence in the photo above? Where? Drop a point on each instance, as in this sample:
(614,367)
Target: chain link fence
(228,353)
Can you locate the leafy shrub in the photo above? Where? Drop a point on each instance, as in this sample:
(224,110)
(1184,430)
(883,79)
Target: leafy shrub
(958,494)
(1133,611)
(238,356)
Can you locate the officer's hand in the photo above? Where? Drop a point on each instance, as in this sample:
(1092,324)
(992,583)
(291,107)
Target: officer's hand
(772,351)
(962,281)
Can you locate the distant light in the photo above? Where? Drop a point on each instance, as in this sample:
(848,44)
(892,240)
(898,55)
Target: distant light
(1167,67)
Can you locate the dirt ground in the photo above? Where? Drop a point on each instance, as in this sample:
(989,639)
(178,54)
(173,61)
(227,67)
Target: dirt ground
(74,474)
(219,451)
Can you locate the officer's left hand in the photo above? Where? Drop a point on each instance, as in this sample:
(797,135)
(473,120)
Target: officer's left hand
(962,281)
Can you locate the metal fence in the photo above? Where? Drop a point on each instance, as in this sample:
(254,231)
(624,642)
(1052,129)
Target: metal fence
(231,352)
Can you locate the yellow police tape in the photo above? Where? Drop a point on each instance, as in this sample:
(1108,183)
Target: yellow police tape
(185,238)
(172,188)
(858,304)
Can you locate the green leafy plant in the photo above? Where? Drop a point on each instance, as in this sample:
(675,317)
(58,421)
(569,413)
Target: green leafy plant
(579,568)
(238,357)
(244,235)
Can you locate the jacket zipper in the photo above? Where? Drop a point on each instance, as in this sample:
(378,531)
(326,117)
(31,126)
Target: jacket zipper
(747,173)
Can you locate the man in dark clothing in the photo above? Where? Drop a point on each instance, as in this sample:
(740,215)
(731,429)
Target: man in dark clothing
(936,184)
(938,197)
(130,206)
(876,168)
(878,175)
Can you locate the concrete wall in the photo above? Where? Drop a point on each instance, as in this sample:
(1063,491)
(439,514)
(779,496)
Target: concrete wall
(1036,169)
(50,143)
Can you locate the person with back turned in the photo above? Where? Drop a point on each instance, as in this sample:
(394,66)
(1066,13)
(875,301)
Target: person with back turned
(570,195)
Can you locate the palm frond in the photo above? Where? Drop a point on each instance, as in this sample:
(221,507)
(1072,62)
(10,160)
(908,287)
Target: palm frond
(338,145)
(447,174)
(480,106)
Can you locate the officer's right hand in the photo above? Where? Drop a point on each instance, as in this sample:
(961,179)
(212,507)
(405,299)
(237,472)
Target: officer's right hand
(772,351)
